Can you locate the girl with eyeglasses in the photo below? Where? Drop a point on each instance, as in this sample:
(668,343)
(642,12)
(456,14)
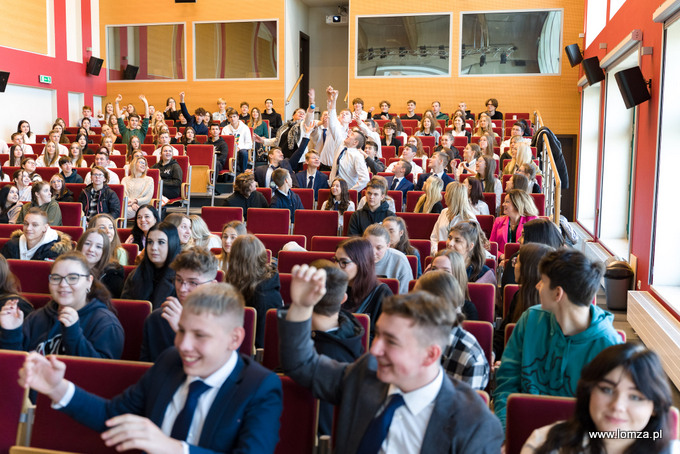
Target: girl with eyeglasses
(365,293)
(78,321)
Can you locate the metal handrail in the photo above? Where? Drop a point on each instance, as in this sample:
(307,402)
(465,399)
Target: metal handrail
(552,185)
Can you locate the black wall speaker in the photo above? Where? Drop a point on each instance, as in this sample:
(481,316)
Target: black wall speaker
(573,54)
(4,77)
(633,86)
(591,66)
(94,65)
(130,72)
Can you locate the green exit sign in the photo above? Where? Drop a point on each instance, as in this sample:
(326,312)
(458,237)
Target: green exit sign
(45,79)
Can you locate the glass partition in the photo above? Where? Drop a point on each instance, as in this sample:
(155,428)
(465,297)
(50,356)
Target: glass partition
(511,42)
(156,50)
(404,45)
(236,50)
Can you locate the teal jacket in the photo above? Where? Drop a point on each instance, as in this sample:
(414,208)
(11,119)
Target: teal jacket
(540,359)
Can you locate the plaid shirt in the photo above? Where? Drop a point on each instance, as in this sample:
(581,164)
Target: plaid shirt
(464,359)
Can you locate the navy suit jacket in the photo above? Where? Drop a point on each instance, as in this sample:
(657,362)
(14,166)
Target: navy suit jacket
(404,186)
(424,176)
(261,173)
(243,418)
(320,181)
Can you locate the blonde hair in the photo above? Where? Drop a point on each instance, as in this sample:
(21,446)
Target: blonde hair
(133,167)
(523,202)
(458,203)
(199,231)
(523,156)
(55,157)
(433,194)
(489,126)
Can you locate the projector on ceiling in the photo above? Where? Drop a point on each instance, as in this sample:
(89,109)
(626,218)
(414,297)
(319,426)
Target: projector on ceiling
(337,19)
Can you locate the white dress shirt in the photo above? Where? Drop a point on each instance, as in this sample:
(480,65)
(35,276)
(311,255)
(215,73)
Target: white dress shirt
(407,430)
(215,381)
(335,136)
(352,168)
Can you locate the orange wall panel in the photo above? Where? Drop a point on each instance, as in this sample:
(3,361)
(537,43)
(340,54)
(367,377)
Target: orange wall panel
(556,96)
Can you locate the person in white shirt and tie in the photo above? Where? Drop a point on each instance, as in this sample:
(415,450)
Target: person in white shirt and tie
(338,129)
(348,163)
(437,163)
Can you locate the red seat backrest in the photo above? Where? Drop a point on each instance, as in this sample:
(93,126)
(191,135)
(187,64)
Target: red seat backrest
(393,284)
(326,243)
(32,274)
(483,332)
(132,314)
(288,259)
(314,222)
(13,397)
(268,220)
(419,225)
(216,217)
(306,197)
(275,242)
(483,297)
(105,378)
(526,413)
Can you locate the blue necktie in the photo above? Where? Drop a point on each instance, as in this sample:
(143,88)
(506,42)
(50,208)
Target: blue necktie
(336,205)
(378,428)
(310,184)
(342,153)
(395,182)
(180,429)
(324,135)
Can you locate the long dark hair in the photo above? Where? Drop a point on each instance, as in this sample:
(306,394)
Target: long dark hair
(8,281)
(489,174)
(137,233)
(542,231)
(360,251)
(473,233)
(404,244)
(530,255)
(476,190)
(4,193)
(143,277)
(13,160)
(645,370)
(35,189)
(344,197)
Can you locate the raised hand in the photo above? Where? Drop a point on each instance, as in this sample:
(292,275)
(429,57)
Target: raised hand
(11,317)
(130,431)
(119,98)
(143,98)
(44,374)
(68,316)
(172,311)
(181,96)
(308,285)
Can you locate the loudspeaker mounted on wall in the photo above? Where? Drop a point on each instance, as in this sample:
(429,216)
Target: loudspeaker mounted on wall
(633,86)
(94,65)
(591,66)
(130,72)
(573,54)
(4,77)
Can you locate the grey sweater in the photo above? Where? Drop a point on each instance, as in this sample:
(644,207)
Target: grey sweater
(394,265)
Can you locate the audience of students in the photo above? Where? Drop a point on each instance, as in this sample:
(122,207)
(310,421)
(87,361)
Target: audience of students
(96,247)
(10,206)
(457,210)
(389,262)
(41,197)
(230,232)
(430,201)
(105,223)
(468,239)
(246,195)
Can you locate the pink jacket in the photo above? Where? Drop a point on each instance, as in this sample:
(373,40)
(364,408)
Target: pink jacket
(499,233)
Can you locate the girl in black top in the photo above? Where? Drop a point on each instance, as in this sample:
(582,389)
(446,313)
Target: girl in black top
(96,247)
(154,280)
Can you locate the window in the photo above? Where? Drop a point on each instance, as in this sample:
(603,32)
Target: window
(666,247)
(619,140)
(511,42)
(416,46)
(236,50)
(587,170)
(158,51)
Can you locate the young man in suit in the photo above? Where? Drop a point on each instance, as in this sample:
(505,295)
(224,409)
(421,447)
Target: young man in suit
(312,177)
(399,182)
(396,398)
(193,268)
(408,153)
(263,174)
(201,396)
(437,163)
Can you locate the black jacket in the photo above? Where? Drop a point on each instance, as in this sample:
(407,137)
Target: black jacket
(361,219)
(74,178)
(157,291)
(267,296)
(221,150)
(274,119)
(343,345)
(113,278)
(108,201)
(256,200)
(371,304)
(171,174)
